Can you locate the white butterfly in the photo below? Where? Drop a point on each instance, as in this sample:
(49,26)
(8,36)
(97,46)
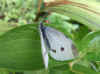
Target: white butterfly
(56,44)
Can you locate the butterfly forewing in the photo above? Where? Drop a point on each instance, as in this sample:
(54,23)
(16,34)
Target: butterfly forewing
(60,45)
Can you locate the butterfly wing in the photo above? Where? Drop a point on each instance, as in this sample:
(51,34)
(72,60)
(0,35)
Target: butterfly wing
(44,49)
(60,45)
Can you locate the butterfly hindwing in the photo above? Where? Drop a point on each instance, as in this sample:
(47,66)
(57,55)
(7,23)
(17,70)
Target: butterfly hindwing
(44,50)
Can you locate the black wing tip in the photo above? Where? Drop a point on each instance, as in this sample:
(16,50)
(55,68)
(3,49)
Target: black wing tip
(41,24)
(42,27)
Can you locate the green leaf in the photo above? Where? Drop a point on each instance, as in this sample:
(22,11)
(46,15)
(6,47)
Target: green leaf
(91,46)
(65,68)
(79,34)
(80,69)
(61,69)
(76,69)
(20,49)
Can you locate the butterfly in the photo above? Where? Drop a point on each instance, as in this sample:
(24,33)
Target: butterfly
(55,43)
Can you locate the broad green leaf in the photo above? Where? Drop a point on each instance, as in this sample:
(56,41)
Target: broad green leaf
(20,49)
(91,45)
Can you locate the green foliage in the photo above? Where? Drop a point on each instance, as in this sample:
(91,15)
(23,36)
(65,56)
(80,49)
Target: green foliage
(82,11)
(20,48)
(79,69)
(17,12)
(91,45)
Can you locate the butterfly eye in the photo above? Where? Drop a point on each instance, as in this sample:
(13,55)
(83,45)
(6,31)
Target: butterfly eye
(62,49)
